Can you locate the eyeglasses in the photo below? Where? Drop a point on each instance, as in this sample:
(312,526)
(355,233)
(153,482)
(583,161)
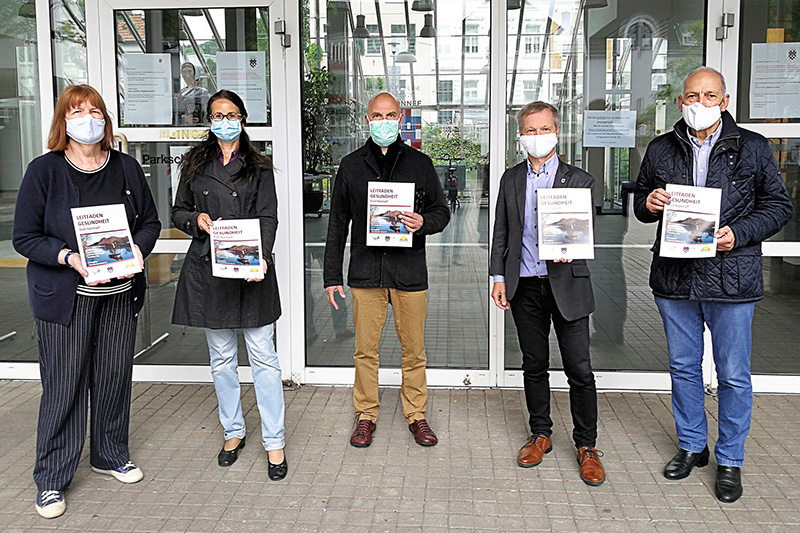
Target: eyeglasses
(217,117)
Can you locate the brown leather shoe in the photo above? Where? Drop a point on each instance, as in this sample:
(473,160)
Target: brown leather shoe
(423,434)
(531,454)
(362,435)
(592,472)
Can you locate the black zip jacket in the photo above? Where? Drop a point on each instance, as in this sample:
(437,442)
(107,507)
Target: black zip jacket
(381,267)
(755,205)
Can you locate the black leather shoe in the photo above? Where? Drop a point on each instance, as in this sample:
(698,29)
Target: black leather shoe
(279,471)
(681,465)
(728,487)
(228,457)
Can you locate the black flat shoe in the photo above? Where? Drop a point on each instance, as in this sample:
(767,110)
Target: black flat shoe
(728,487)
(279,471)
(681,465)
(228,457)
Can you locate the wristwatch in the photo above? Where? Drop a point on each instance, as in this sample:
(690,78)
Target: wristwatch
(66,257)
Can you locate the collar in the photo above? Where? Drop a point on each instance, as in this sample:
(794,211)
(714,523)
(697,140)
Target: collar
(729,131)
(548,167)
(711,139)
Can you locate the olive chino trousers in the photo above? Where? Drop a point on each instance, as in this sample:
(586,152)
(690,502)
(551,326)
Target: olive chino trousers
(369,316)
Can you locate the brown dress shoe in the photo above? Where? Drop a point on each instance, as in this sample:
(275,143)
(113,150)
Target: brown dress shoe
(423,434)
(592,472)
(531,454)
(362,435)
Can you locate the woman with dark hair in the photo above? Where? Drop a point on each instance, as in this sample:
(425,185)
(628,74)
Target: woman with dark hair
(86,331)
(226,177)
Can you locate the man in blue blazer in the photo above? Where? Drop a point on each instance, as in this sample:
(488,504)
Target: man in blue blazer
(539,292)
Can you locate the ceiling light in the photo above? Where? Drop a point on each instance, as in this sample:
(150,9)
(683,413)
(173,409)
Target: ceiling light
(428,30)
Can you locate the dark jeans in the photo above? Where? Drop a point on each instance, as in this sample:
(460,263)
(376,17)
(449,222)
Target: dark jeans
(533,308)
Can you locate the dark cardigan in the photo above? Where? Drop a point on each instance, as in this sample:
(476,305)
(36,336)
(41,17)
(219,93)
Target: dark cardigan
(43,226)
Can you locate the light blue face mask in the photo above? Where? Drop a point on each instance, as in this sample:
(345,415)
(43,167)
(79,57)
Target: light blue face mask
(383,132)
(226,130)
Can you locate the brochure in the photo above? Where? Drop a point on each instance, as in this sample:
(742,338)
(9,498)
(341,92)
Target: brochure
(566,229)
(690,222)
(104,242)
(386,200)
(236,249)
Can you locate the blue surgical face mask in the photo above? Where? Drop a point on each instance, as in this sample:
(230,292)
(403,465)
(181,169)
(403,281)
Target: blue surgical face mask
(226,130)
(383,132)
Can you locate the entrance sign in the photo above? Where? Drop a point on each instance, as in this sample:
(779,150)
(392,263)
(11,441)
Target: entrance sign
(775,81)
(613,129)
(690,221)
(148,89)
(565,223)
(245,74)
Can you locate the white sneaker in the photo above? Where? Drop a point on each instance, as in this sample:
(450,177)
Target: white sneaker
(50,503)
(127,473)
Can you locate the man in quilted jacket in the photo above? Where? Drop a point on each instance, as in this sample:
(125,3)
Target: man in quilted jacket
(707,149)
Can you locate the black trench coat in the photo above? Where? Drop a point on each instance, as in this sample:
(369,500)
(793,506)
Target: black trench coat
(202,300)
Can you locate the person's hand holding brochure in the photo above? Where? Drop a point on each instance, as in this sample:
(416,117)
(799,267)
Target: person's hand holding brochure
(105,244)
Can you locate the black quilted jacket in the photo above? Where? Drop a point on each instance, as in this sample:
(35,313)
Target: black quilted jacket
(755,205)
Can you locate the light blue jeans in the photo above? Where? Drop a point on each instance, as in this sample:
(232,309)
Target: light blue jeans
(730,326)
(266,378)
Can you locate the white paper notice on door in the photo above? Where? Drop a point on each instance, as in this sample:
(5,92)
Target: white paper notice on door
(104,241)
(245,73)
(690,222)
(775,80)
(386,200)
(148,89)
(236,249)
(616,129)
(565,224)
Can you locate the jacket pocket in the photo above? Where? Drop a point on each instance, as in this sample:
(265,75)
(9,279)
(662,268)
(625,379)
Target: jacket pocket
(580,270)
(43,291)
(742,276)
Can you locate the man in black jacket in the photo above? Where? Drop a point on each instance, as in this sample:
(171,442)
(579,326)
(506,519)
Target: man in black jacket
(539,292)
(707,149)
(384,275)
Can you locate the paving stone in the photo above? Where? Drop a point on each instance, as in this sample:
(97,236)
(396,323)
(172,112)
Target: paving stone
(469,482)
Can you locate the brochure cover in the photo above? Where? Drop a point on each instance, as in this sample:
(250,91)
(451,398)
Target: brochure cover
(566,229)
(386,200)
(236,249)
(104,241)
(690,222)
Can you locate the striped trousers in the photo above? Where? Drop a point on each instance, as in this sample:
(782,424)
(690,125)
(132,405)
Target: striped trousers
(90,359)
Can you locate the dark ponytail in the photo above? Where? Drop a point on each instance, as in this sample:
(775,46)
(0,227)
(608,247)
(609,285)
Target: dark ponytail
(196,159)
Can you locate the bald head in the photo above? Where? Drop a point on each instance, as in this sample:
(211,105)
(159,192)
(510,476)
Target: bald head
(383,106)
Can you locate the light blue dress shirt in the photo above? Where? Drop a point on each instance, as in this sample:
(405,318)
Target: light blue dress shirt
(701,153)
(530,265)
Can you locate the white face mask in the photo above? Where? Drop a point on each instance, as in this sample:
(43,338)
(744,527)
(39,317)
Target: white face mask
(700,117)
(86,129)
(538,145)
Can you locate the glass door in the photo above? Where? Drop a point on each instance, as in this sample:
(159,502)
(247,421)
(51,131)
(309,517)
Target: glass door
(157,63)
(434,58)
(759,41)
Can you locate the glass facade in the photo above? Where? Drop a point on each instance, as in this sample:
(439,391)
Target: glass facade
(580,55)
(441,81)
(20,142)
